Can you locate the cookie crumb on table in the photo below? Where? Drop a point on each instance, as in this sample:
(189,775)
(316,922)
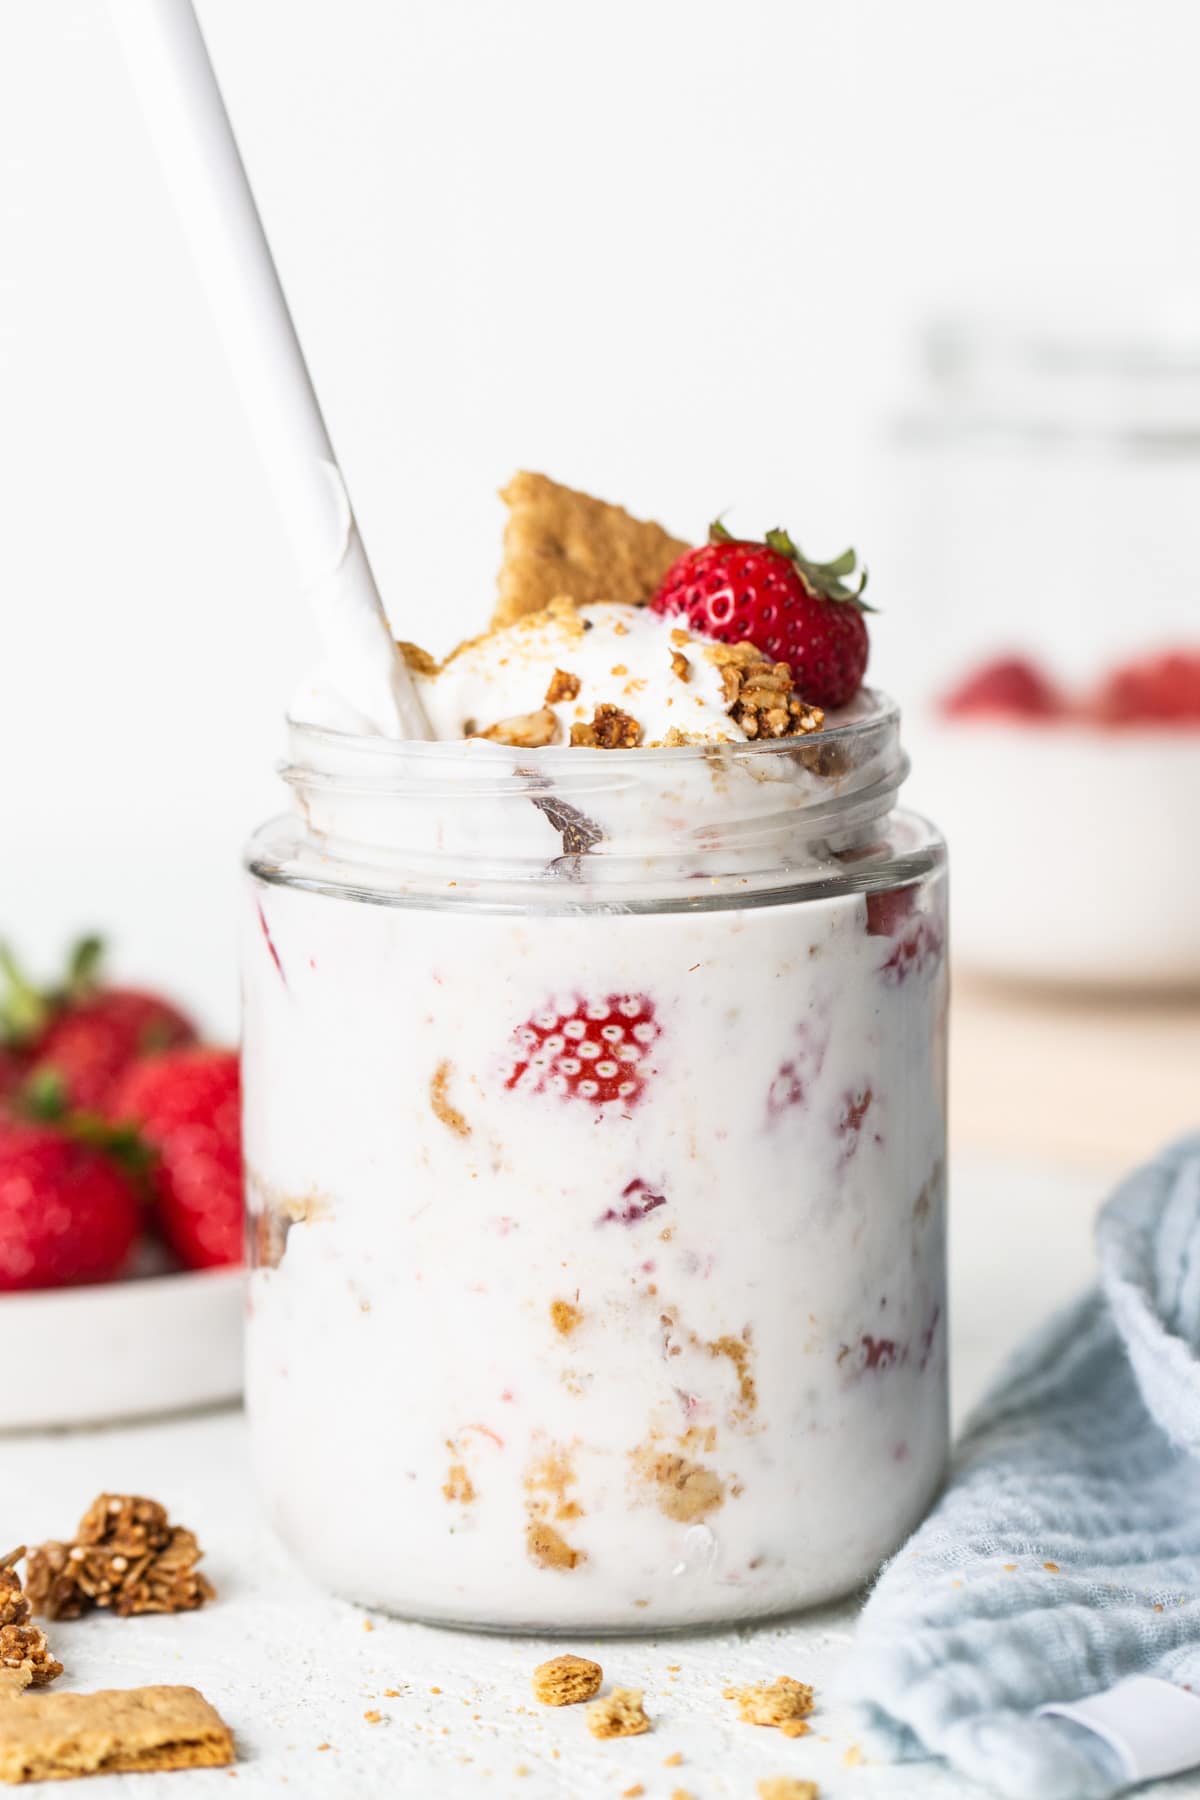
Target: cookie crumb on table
(618,1715)
(564,1680)
(783,1703)
(52,1737)
(787,1787)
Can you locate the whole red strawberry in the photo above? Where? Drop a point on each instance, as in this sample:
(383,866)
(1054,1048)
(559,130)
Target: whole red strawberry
(68,1211)
(793,610)
(86,1033)
(186,1107)
(1162,690)
(1009,687)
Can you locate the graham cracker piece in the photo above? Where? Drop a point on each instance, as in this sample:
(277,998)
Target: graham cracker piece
(564,1680)
(560,542)
(787,1787)
(53,1737)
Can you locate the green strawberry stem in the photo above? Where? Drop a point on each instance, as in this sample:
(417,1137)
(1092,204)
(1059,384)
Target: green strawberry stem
(828,579)
(26,1010)
(44,1099)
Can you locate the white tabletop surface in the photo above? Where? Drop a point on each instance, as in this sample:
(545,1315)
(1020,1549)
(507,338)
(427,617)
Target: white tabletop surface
(294,1672)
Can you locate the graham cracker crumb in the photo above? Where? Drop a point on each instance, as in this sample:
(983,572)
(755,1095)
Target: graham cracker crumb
(853,1756)
(418,660)
(374,1716)
(610,729)
(737,1351)
(633,1793)
(127,1556)
(674,1761)
(458,1486)
(619,1714)
(565,1680)
(560,542)
(680,665)
(563,686)
(684,1490)
(525,731)
(787,1787)
(52,1737)
(682,1794)
(450,1116)
(550,1549)
(565,1317)
(783,1703)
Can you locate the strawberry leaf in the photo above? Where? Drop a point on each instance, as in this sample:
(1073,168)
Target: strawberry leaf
(830,580)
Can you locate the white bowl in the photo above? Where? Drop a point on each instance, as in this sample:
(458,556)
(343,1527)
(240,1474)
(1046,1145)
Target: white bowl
(122,1349)
(1074,852)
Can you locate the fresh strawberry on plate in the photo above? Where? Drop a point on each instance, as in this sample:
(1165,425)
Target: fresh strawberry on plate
(85,1033)
(185,1106)
(69,1205)
(803,613)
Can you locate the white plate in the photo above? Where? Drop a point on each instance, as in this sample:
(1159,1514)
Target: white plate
(123,1349)
(1074,854)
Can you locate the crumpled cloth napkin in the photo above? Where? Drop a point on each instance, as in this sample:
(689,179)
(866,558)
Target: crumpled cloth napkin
(1064,1553)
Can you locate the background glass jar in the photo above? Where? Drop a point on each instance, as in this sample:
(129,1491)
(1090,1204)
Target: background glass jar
(594,1119)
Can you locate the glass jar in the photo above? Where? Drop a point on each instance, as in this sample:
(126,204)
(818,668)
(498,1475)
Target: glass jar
(595,1135)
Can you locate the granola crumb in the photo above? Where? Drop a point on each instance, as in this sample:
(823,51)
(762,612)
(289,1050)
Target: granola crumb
(782,1703)
(373,1716)
(760,695)
(524,731)
(680,665)
(521,1769)
(126,1555)
(1053,1567)
(565,1317)
(391,1693)
(550,1548)
(633,1793)
(439,1101)
(787,1787)
(565,1680)
(324,1746)
(853,1756)
(618,1714)
(682,1794)
(563,686)
(610,728)
(368,1624)
(674,1761)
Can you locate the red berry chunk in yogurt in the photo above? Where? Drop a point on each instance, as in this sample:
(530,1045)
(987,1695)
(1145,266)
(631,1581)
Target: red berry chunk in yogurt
(597,1052)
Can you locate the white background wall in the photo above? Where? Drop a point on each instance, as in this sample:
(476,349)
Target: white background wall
(670,250)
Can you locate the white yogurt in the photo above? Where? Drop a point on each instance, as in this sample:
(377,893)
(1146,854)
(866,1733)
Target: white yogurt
(602,1273)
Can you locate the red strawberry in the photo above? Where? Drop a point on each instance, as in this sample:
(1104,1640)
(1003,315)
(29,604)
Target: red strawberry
(186,1106)
(793,610)
(12,1071)
(1008,688)
(596,1052)
(68,1211)
(84,1033)
(1159,690)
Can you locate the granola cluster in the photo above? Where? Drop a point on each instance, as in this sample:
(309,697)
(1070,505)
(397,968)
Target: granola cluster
(760,694)
(609,729)
(24,1653)
(126,1555)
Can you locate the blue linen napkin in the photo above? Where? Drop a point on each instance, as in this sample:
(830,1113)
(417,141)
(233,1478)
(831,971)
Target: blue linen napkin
(1064,1555)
